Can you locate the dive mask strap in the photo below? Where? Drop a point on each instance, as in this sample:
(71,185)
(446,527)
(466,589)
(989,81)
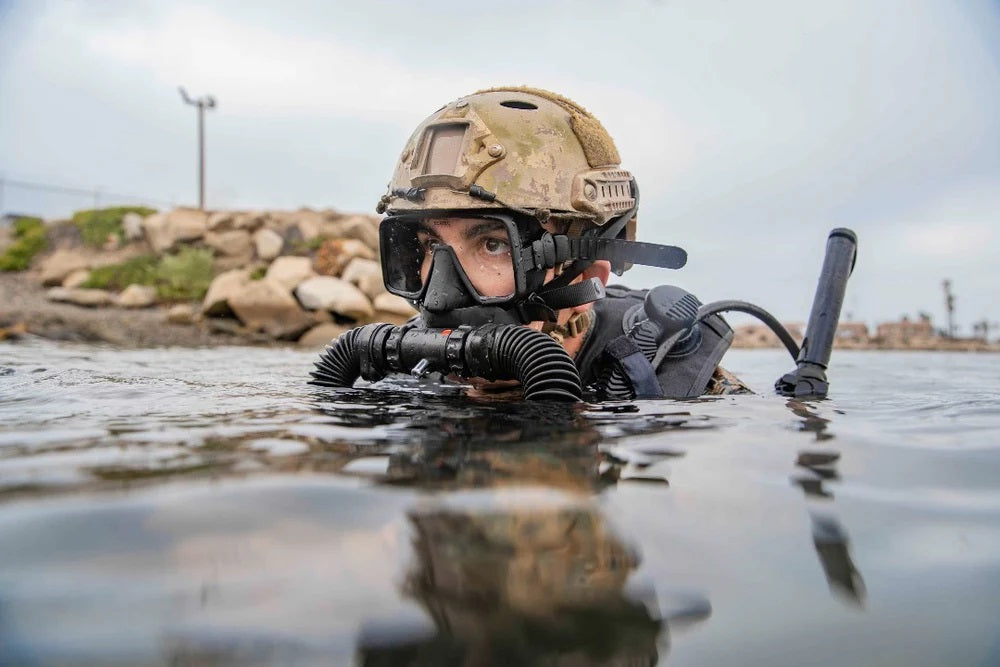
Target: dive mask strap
(619,251)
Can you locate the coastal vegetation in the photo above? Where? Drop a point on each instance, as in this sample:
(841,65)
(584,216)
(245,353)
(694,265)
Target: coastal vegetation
(183,276)
(96,225)
(29,240)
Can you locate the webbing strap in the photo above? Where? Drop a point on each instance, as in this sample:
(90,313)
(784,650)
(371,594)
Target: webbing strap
(635,252)
(636,366)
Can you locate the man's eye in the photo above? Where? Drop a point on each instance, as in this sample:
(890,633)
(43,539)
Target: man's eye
(495,246)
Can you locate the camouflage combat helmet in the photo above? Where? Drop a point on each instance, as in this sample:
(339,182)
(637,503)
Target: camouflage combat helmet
(514,148)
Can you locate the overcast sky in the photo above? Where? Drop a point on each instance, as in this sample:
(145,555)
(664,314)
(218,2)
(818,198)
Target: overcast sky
(753,127)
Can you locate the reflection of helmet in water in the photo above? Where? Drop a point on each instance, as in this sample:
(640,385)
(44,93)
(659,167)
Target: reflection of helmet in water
(520,149)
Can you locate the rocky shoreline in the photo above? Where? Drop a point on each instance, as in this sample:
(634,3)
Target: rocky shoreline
(195,278)
(136,278)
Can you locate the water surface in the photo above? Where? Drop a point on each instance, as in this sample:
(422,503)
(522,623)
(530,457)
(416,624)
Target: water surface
(207,506)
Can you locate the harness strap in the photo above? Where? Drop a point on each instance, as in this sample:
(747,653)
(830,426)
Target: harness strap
(636,367)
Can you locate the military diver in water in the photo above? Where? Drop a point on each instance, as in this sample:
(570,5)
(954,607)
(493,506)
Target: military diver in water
(507,213)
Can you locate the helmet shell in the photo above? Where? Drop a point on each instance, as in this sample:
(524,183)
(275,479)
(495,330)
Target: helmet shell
(531,148)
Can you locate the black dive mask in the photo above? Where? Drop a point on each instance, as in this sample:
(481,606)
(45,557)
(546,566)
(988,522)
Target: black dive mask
(475,268)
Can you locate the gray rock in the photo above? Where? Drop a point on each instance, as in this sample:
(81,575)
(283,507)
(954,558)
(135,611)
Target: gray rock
(224,286)
(390,303)
(250,221)
(392,309)
(290,271)
(80,296)
(308,222)
(182,313)
(366,275)
(321,334)
(234,243)
(165,230)
(221,221)
(137,296)
(334,255)
(334,294)
(363,228)
(60,264)
(263,305)
(268,243)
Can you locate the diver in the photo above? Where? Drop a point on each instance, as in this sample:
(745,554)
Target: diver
(507,213)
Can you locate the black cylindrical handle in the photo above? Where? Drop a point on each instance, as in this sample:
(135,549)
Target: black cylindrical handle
(809,377)
(841,251)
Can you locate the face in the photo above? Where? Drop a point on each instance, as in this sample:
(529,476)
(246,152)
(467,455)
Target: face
(481,245)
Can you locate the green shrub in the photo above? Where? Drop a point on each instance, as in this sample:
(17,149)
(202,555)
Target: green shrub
(139,270)
(30,239)
(184,276)
(97,224)
(181,277)
(258,273)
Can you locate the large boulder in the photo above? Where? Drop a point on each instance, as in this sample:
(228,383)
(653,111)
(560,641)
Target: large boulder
(267,243)
(390,303)
(234,243)
(391,308)
(334,255)
(220,221)
(250,220)
(221,290)
(80,296)
(263,305)
(165,230)
(363,228)
(334,294)
(308,222)
(321,334)
(60,264)
(366,275)
(137,296)
(290,271)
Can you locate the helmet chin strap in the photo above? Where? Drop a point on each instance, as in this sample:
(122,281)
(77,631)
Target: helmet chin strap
(560,293)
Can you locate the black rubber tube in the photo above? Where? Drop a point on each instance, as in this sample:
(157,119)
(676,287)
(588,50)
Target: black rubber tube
(750,309)
(541,364)
(493,352)
(338,365)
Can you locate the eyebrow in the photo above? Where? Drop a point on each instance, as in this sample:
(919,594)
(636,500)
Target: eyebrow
(484,227)
(470,232)
(422,226)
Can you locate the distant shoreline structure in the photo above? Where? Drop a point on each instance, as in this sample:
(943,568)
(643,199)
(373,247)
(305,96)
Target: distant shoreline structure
(904,334)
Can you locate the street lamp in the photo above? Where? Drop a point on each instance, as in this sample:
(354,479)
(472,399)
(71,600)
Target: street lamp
(204,102)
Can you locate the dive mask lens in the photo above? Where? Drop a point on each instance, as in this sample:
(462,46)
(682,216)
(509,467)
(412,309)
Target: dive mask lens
(402,257)
(482,252)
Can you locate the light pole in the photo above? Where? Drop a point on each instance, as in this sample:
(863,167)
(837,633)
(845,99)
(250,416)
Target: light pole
(204,102)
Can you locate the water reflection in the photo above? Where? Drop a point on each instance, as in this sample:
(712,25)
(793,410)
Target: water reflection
(516,564)
(833,548)
(541,584)
(829,536)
